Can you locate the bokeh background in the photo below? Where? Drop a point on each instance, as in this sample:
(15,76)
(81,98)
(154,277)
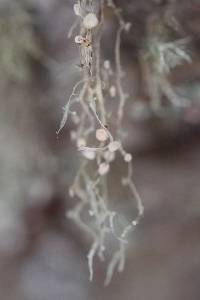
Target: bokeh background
(42,253)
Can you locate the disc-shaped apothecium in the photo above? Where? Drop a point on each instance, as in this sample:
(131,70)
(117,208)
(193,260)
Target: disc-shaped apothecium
(89,154)
(101,135)
(127,157)
(90,21)
(78,39)
(103,168)
(114,146)
(77,9)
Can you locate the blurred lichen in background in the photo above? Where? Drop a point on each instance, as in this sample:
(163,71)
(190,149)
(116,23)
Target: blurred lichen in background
(18,40)
(19,49)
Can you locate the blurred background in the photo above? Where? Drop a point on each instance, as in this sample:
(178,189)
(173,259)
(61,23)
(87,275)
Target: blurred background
(42,253)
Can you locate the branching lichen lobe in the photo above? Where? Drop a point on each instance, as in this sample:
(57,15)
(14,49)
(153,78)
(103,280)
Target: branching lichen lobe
(97,145)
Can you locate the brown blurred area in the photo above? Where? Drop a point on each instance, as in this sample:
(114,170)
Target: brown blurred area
(42,253)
